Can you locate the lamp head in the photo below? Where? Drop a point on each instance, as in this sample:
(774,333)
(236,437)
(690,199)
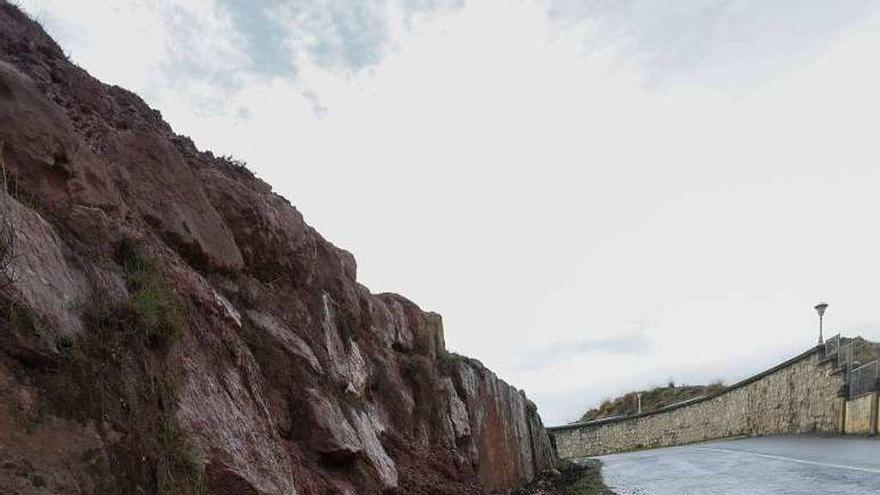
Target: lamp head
(820,308)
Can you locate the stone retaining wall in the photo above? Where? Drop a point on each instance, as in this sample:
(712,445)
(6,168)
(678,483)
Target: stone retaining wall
(860,416)
(798,396)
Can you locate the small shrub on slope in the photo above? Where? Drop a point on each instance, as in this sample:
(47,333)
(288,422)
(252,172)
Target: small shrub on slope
(153,305)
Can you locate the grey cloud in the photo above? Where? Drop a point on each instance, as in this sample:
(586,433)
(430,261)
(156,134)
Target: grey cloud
(265,36)
(196,57)
(341,34)
(344,35)
(318,108)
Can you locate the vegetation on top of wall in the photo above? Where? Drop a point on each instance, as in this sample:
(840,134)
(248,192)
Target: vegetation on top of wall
(864,350)
(652,400)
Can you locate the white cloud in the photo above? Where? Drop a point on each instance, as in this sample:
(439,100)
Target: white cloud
(730,44)
(528,179)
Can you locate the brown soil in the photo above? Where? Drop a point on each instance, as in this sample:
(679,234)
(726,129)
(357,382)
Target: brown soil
(571,479)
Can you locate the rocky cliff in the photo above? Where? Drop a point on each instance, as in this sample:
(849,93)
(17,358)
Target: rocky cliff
(168,324)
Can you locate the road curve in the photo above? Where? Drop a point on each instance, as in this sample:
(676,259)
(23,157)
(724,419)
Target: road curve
(780,465)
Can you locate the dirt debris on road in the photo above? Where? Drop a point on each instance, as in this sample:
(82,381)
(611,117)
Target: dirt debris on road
(572,479)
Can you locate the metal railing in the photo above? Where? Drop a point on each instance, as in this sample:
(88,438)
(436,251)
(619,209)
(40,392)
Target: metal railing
(864,379)
(845,357)
(832,346)
(860,378)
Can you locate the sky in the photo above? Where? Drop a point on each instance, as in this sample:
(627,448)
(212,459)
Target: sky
(596,195)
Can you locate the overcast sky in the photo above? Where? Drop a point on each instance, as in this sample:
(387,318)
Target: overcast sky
(597,195)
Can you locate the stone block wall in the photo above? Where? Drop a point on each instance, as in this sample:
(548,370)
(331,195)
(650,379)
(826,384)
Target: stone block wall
(860,416)
(798,396)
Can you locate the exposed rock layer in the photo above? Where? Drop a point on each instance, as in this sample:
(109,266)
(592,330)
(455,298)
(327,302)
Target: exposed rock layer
(287,376)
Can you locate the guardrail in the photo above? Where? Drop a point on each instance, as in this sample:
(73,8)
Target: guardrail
(860,378)
(864,379)
(832,346)
(845,357)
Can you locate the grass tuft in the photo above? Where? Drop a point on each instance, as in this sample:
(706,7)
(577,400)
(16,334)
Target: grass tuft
(180,470)
(22,320)
(153,304)
(68,348)
(118,372)
(8,235)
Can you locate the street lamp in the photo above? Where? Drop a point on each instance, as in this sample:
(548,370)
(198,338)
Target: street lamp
(820,308)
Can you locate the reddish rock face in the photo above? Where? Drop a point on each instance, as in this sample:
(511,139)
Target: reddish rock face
(274,372)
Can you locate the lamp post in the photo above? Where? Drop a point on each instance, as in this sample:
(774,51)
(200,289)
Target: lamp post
(820,308)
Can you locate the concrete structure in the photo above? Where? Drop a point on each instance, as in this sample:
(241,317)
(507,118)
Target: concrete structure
(860,415)
(801,395)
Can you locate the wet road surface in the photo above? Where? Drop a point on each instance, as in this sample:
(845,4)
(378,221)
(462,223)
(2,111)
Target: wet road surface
(783,465)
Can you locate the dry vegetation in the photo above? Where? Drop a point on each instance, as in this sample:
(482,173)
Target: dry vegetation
(117,372)
(7,247)
(627,405)
(864,350)
(153,306)
(7,231)
(571,479)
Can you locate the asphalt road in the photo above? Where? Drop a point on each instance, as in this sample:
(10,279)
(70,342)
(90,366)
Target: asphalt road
(783,465)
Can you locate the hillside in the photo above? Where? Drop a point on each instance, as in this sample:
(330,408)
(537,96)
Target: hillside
(169,325)
(627,404)
(864,350)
